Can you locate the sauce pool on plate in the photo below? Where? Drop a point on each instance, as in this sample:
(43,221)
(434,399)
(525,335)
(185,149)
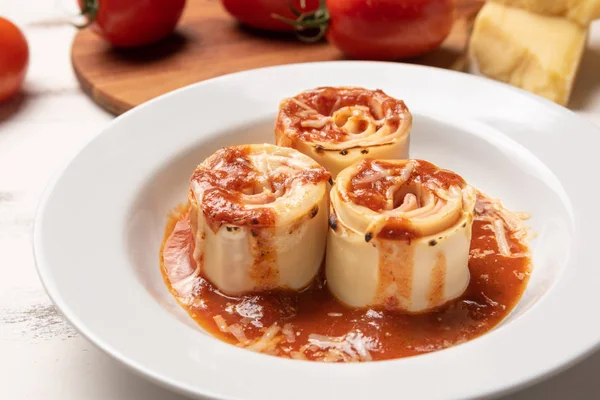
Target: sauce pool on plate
(313,325)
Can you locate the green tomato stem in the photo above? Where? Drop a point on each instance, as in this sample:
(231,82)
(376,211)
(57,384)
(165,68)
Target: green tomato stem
(318,19)
(89,10)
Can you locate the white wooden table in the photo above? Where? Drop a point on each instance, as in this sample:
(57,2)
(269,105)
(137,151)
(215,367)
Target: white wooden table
(41,356)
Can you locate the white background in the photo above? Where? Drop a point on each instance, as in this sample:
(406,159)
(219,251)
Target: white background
(41,356)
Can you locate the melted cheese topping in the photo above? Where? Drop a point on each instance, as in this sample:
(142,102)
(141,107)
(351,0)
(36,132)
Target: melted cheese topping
(399,199)
(337,126)
(260,185)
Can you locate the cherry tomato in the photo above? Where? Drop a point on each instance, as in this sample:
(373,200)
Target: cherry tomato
(131,23)
(259,13)
(14,57)
(388,29)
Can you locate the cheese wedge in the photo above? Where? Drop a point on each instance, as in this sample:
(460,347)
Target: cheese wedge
(581,11)
(400,233)
(337,126)
(537,53)
(258,214)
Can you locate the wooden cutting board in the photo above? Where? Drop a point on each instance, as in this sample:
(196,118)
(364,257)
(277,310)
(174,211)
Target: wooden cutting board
(209,43)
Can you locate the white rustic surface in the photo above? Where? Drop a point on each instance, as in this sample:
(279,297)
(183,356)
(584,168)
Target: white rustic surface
(41,356)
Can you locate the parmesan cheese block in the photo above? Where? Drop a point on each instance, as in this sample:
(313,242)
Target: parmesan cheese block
(537,53)
(581,11)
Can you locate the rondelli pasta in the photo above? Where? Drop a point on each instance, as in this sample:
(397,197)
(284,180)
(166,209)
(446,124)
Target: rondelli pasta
(415,260)
(399,237)
(258,214)
(339,126)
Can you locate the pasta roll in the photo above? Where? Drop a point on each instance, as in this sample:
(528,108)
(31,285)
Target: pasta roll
(258,214)
(399,238)
(339,126)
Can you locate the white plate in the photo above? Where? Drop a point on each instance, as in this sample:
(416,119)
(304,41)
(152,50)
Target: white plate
(101,221)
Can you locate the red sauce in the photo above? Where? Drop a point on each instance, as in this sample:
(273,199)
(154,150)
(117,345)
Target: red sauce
(324,101)
(372,194)
(228,174)
(496,284)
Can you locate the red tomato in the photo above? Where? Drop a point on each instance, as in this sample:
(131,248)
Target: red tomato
(14,57)
(259,13)
(130,23)
(388,29)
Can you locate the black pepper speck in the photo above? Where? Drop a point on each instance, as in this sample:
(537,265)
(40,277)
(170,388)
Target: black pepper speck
(333,222)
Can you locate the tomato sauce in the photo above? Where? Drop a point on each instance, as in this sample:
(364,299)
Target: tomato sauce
(228,174)
(325,101)
(372,193)
(368,189)
(497,282)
